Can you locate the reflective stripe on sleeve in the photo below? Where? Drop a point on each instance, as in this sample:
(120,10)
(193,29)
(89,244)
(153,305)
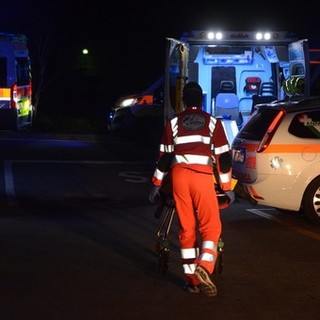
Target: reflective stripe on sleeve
(174,126)
(159,175)
(167,148)
(225,177)
(212,124)
(225,180)
(222,149)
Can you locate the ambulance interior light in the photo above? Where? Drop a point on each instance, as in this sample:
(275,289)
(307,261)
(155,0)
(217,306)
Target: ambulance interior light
(239,36)
(260,36)
(217,35)
(263,36)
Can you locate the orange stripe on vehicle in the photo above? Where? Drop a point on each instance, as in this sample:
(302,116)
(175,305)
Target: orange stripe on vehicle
(254,193)
(292,148)
(5,92)
(147,99)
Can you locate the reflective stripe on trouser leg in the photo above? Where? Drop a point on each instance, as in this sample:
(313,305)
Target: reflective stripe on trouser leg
(208,255)
(189,256)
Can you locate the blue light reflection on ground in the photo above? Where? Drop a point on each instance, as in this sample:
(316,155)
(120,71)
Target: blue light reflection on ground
(54,143)
(65,143)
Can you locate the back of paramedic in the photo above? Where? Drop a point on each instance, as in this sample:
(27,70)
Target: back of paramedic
(193,143)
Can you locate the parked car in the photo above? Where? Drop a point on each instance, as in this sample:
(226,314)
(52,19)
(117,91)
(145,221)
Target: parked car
(139,115)
(276,156)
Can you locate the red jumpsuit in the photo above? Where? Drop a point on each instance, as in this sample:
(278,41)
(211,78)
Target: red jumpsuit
(193,142)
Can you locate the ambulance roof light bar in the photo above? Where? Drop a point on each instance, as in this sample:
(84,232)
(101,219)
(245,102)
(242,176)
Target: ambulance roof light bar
(239,36)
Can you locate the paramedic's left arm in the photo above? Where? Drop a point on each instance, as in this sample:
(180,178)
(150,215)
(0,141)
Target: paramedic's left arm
(223,156)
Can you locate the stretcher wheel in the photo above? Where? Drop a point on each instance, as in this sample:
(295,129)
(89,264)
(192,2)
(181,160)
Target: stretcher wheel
(163,254)
(163,261)
(219,263)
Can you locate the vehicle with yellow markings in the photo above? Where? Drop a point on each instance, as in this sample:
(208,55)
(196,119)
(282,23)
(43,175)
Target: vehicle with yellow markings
(276,156)
(16,108)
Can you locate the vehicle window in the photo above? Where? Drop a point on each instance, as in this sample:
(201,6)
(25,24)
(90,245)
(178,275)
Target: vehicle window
(306,125)
(23,71)
(3,72)
(258,124)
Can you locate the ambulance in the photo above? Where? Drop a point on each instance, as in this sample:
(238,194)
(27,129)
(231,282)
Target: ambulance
(236,70)
(16,108)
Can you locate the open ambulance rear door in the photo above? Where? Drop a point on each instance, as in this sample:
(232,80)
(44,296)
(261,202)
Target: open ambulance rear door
(176,75)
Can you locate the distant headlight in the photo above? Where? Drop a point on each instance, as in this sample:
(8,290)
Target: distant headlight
(131,101)
(128,102)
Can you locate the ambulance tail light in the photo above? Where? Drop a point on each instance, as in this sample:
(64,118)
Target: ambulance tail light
(29,90)
(270,132)
(14,96)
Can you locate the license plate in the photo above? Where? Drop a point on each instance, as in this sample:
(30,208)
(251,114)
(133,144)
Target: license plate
(239,155)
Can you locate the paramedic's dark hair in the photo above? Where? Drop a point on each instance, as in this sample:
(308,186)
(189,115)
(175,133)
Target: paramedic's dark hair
(192,94)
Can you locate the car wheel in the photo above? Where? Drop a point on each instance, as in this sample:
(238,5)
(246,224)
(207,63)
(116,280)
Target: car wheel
(311,201)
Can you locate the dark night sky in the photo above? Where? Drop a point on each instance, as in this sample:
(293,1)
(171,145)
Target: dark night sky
(130,35)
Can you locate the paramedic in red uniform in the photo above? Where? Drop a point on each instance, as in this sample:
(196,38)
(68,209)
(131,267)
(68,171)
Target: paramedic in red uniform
(192,143)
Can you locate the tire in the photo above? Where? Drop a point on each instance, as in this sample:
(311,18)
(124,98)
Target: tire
(311,201)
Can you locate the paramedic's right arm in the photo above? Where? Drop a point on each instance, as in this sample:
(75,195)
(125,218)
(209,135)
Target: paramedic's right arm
(166,154)
(222,153)
(161,170)
(164,163)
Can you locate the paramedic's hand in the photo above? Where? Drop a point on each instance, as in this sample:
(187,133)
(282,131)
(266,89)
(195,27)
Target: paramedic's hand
(154,194)
(231,195)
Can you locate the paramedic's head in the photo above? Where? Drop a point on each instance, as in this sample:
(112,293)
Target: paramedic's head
(192,95)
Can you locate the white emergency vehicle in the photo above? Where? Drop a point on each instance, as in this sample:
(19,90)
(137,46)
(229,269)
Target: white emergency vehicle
(236,69)
(16,109)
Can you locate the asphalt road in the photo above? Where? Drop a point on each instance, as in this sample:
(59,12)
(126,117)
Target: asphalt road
(78,236)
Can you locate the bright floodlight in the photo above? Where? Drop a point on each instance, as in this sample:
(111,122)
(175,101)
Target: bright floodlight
(259,36)
(210,35)
(263,36)
(267,36)
(218,35)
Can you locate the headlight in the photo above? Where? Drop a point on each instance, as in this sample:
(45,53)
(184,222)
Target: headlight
(128,102)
